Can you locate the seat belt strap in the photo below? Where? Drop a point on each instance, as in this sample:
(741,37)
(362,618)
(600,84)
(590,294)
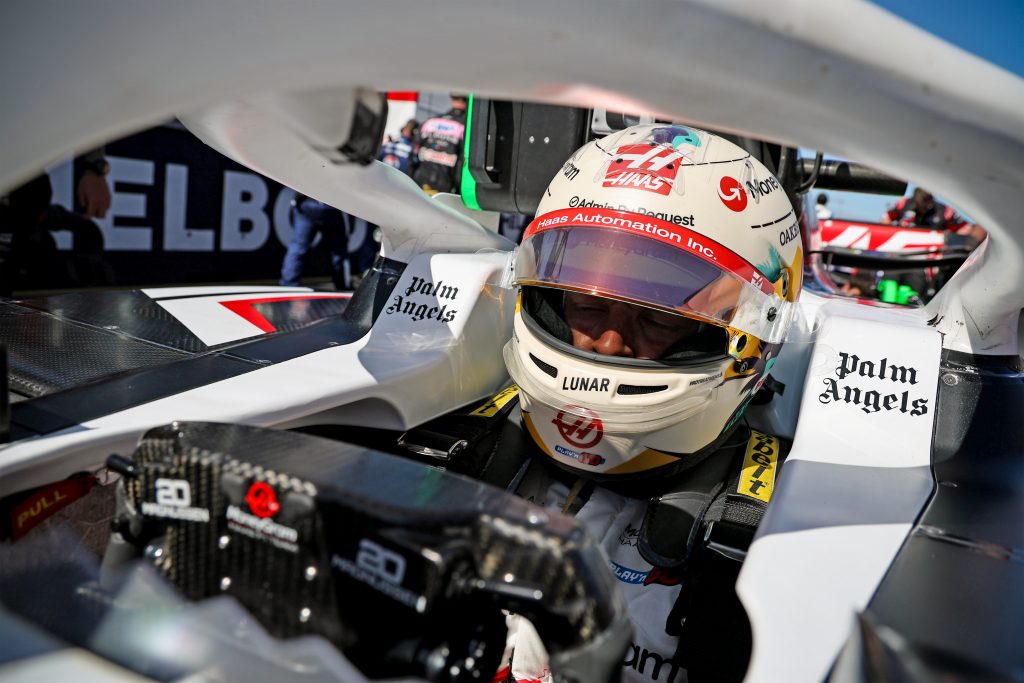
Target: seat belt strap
(733,518)
(466,441)
(719,503)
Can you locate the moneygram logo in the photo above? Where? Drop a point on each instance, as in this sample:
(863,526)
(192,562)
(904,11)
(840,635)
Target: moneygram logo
(732,194)
(262,500)
(642,167)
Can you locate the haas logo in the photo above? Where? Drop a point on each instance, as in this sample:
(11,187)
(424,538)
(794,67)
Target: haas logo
(580,431)
(642,167)
(732,194)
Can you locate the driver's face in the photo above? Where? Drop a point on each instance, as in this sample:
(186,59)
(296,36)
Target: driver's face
(615,328)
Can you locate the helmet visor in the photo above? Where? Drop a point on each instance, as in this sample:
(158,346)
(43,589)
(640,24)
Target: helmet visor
(650,262)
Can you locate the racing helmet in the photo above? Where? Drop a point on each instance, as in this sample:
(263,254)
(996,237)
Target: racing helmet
(691,234)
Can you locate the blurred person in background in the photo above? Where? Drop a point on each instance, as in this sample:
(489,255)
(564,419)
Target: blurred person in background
(439,161)
(921,210)
(821,209)
(400,153)
(311,218)
(29,258)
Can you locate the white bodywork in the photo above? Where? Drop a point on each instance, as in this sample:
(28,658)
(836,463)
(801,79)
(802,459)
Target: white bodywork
(402,373)
(846,77)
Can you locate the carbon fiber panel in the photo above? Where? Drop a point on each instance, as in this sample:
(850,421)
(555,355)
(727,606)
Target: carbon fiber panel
(47,354)
(130,312)
(315,536)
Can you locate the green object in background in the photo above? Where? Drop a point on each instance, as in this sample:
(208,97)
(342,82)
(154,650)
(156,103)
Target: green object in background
(904,294)
(467,188)
(887,291)
(892,293)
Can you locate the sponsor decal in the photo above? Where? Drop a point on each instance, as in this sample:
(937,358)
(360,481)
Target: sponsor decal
(448,129)
(676,219)
(436,157)
(262,529)
(174,501)
(494,405)
(870,400)
(381,569)
(789,234)
(644,167)
(629,536)
(662,231)
(428,288)
(757,479)
(570,170)
(661,668)
(760,188)
(408,304)
(732,194)
(582,431)
(262,500)
(628,575)
(585,383)
(584,458)
(705,380)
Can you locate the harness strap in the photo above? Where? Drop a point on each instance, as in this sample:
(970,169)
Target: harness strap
(483,442)
(707,609)
(674,521)
(719,502)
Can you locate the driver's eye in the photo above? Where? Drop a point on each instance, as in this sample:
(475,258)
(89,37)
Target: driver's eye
(660,324)
(588,307)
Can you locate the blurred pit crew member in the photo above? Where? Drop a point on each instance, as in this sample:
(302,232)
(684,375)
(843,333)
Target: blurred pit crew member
(650,313)
(439,160)
(821,210)
(310,218)
(400,153)
(921,210)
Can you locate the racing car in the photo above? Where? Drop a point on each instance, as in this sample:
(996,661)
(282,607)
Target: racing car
(264,520)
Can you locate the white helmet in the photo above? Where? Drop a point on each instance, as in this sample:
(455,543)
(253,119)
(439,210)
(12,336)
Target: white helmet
(698,233)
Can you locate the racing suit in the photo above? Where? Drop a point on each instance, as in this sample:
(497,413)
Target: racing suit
(614,521)
(688,622)
(440,152)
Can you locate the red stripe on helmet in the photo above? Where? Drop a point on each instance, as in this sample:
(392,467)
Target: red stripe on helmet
(656,229)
